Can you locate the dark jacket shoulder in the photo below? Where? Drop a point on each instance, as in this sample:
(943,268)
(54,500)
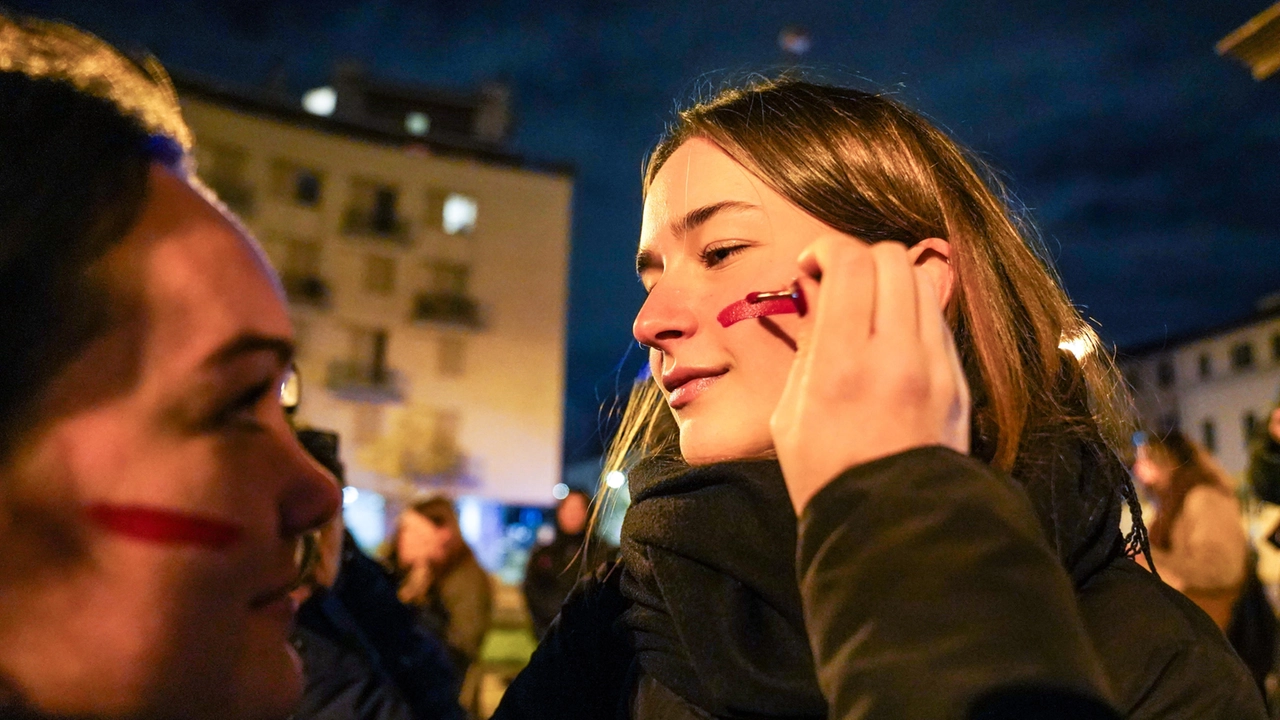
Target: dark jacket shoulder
(1165,658)
(1264,469)
(584,667)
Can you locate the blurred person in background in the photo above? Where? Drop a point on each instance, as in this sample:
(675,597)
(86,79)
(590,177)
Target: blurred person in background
(363,656)
(1264,461)
(440,579)
(896,425)
(153,497)
(1197,536)
(1200,547)
(553,569)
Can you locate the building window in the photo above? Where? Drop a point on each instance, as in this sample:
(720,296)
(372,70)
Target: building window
(448,278)
(1165,374)
(384,216)
(373,210)
(363,376)
(300,273)
(444,437)
(296,184)
(454,213)
(452,358)
(1249,423)
(223,169)
(445,299)
(1206,366)
(380,274)
(1209,436)
(1242,356)
(306,188)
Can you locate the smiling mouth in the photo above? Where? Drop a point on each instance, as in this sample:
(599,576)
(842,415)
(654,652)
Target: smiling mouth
(691,389)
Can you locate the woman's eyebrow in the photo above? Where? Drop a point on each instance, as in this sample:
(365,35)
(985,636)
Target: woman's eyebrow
(247,343)
(699,216)
(690,221)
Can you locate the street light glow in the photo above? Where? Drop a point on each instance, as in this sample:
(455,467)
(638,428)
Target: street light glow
(320,101)
(615,479)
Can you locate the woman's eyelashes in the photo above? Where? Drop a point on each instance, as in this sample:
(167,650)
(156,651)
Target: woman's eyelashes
(717,253)
(244,409)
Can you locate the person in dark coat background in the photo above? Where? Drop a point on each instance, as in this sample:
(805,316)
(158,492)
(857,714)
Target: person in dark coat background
(948,492)
(362,654)
(554,568)
(1264,462)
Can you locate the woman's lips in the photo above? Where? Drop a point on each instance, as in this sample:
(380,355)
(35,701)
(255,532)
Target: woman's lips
(689,391)
(279,602)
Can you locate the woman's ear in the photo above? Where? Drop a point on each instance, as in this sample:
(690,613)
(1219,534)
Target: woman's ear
(933,256)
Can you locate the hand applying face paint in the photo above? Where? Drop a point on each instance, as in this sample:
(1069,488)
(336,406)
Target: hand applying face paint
(876,370)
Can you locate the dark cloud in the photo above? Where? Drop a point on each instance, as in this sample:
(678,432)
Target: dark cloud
(1148,162)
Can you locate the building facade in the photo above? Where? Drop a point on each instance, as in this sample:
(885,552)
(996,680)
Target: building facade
(427,280)
(1218,386)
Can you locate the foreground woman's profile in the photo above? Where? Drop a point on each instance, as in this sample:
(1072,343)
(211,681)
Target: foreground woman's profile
(901,388)
(152,494)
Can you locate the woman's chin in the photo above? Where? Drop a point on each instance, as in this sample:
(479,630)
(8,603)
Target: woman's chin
(697,449)
(273,687)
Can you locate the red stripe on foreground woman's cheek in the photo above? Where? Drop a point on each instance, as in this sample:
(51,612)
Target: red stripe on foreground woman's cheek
(166,527)
(746,310)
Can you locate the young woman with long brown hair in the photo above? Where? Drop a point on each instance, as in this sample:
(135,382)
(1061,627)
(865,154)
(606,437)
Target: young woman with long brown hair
(1197,536)
(908,365)
(441,579)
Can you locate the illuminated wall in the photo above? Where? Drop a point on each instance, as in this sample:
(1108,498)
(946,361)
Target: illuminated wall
(428,293)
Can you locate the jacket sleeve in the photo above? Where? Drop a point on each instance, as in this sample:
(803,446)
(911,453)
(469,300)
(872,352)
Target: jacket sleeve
(929,592)
(582,668)
(1264,469)
(468,598)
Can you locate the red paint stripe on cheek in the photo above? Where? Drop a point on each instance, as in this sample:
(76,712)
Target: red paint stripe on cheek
(165,527)
(746,310)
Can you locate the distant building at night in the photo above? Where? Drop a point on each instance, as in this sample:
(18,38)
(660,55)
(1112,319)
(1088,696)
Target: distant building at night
(426,270)
(1218,386)
(1256,43)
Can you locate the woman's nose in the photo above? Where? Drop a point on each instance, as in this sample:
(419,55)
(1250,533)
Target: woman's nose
(665,317)
(311,495)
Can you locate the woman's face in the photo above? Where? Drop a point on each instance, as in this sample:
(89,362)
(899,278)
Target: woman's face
(711,233)
(1150,471)
(411,542)
(150,519)
(422,541)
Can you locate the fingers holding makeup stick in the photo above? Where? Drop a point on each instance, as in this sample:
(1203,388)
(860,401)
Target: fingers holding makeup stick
(876,371)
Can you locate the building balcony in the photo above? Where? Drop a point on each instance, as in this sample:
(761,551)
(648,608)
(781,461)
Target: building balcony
(306,289)
(363,382)
(442,470)
(238,196)
(447,308)
(375,226)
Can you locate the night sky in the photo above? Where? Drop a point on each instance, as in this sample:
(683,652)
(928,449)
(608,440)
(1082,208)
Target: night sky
(1151,165)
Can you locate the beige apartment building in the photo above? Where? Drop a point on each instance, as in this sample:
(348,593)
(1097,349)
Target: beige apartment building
(427,276)
(1217,386)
